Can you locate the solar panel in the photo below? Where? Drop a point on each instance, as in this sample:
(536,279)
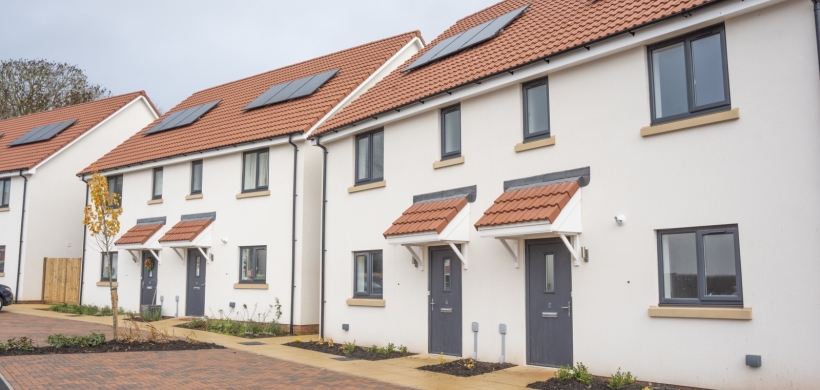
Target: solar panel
(182,118)
(466,39)
(305,86)
(43,133)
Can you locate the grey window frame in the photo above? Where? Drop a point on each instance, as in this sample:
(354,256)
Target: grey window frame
(3,257)
(118,179)
(257,187)
(3,183)
(525,97)
(154,183)
(369,282)
(703,299)
(694,111)
(202,178)
(370,158)
(254,263)
(445,111)
(103,278)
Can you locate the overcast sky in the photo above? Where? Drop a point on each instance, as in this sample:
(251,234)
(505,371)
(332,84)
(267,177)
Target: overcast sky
(171,49)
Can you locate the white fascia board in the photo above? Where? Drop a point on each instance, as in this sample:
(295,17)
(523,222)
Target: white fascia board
(98,125)
(221,151)
(390,63)
(643,36)
(413,239)
(569,219)
(16,173)
(457,230)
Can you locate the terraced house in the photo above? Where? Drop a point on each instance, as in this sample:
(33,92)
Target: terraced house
(41,199)
(588,181)
(220,195)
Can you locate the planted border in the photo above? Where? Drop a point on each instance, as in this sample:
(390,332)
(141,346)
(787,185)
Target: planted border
(351,350)
(465,367)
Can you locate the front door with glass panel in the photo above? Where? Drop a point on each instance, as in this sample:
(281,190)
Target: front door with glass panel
(445,302)
(195,297)
(150,267)
(549,303)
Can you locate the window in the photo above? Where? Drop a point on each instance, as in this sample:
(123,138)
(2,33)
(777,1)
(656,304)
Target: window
(370,157)
(196,177)
(447,274)
(2,258)
(253,263)
(700,266)
(367,273)
(550,273)
(536,110)
(451,132)
(255,170)
(689,76)
(5,192)
(104,275)
(115,188)
(157,191)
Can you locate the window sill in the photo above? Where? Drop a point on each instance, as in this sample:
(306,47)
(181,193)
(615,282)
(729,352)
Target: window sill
(541,143)
(366,302)
(155,201)
(691,122)
(193,196)
(2,209)
(105,284)
(368,186)
(250,286)
(2,274)
(714,313)
(448,163)
(252,194)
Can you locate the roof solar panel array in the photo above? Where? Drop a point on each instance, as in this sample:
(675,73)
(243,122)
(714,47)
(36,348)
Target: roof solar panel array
(290,90)
(182,118)
(43,133)
(466,39)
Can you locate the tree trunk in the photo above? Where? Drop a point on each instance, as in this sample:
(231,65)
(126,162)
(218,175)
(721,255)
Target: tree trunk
(114,297)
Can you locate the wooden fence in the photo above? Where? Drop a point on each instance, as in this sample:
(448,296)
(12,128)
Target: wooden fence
(61,281)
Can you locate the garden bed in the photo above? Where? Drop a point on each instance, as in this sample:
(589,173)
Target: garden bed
(113,346)
(466,367)
(248,330)
(353,352)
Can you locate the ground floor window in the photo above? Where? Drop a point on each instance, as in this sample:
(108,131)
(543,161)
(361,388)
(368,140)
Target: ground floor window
(367,271)
(2,258)
(700,266)
(104,274)
(253,263)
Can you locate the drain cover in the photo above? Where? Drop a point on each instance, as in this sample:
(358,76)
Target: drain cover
(343,359)
(252,343)
(73,315)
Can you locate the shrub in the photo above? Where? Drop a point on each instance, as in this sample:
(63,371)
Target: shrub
(106,311)
(469,364)
(151,315)
(403,350)
(441,359)
(60,341)
(297,340)
(564,373)
(196,323)
(349,348)
(22,344)
(330,342)
(89,310)
(390,348)
(620,380)
(582,374)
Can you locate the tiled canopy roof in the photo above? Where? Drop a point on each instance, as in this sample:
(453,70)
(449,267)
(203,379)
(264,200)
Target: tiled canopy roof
(185,230)
(427,216)
(139,234)
(529,204)
(27,156)
(547,27)
(229,124)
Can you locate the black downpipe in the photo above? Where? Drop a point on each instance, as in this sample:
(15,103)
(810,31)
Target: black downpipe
(293,235)
(817,25)
(324,208)
(20,248)
(85,234)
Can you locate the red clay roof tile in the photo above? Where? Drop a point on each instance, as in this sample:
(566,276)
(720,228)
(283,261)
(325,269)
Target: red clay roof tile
(185,230)
(138,234)
(545,29)
(529,204)
(427,217)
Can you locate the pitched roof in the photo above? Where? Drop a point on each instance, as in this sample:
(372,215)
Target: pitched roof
(229,124)
(185,230)
(138,234)
(546,28)
(541,203)
(427,217)
(88,115)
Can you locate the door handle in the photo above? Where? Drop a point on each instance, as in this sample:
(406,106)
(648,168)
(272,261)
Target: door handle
(432,303)
(569,308)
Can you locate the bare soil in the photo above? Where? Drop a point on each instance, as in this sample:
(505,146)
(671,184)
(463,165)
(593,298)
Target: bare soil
(555,384)
(116,346)
(337,349)
(459,367)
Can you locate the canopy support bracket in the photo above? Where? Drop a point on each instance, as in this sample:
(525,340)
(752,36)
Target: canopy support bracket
(509,249)
(572,250)
(204,254)
(459,254)
(156,255)
(417,257)
(134,256)
(181,257)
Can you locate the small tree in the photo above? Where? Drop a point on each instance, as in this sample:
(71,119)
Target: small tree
(102,217)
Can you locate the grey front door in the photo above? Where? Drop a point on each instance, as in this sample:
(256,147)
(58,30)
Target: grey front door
(549,303)
(149,279)
(195,297)
(445,301)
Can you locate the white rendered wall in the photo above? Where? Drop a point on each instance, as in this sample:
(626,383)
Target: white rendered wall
(759,172)
(10,232)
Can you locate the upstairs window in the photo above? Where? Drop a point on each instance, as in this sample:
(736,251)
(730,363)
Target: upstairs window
(451,132)
(5,192)
(104,274)
(255,170)
(156,193)
(254,261)
(689,76)
(115,188)
(367,273)
(370,157)
(196,177)
(536,110)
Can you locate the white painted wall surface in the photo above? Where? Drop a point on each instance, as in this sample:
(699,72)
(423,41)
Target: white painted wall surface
(759,172)
(10,232)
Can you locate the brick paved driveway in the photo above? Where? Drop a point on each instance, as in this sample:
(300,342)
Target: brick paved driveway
(206,369)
